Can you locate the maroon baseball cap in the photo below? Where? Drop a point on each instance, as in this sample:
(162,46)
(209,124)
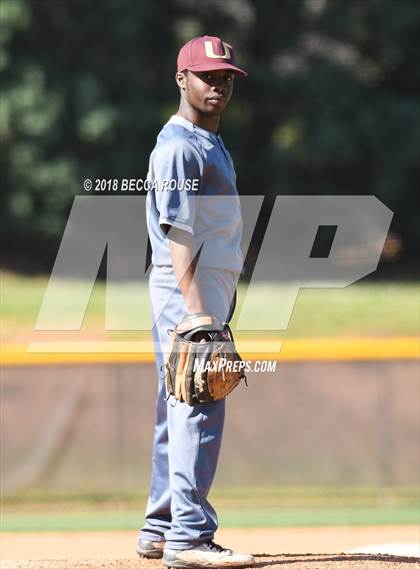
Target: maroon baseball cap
(207,53)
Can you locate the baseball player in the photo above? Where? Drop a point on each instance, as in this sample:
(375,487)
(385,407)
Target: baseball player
(195,227)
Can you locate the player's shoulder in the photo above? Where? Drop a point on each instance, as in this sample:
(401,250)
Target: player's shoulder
(174,139)
(174,133)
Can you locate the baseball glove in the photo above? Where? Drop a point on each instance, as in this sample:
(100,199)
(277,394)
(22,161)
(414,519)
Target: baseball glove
(202,364)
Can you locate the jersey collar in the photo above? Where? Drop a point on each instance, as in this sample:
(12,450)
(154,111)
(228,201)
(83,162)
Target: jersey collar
(176,119)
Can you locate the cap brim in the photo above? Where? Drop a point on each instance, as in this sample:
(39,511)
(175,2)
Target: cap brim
(217,65)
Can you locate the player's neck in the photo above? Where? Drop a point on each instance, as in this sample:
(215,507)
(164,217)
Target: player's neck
(208,122)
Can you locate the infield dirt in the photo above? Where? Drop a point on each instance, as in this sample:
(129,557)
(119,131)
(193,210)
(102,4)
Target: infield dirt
(302,561)
(273,548)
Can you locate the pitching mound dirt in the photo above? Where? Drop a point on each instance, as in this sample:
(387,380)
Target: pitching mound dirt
(302,561)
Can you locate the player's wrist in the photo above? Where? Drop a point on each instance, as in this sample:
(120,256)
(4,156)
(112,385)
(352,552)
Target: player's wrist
(194,307)
(201,320)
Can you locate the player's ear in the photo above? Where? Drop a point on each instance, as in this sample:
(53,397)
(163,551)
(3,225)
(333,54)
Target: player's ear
(181,78)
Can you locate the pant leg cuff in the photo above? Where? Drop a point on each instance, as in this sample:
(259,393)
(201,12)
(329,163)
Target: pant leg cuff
(151,534)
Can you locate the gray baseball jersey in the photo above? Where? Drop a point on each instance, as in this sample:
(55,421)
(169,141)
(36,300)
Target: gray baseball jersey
(194,189)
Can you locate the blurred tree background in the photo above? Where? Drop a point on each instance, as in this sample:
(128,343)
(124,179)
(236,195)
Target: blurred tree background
(331,104)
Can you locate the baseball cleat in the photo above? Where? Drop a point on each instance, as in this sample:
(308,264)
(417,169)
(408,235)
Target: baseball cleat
(150,549)
(208,554)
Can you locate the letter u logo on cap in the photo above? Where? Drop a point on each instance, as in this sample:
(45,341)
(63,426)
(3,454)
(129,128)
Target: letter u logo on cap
(210,53)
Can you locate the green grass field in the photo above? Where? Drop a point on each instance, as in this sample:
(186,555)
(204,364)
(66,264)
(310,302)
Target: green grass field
(95,520)
(362,310)
(237,508)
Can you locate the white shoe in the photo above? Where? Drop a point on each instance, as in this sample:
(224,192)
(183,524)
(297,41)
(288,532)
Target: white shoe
(150,549)
(208,554)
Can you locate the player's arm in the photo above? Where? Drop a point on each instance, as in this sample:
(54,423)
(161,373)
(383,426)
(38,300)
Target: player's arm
(184,262)
(177,209)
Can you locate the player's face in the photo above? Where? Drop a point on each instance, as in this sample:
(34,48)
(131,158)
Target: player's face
(209,92)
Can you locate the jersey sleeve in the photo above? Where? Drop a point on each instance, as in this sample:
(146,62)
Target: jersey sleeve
(177,169)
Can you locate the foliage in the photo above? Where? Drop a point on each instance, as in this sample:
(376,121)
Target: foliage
(330,106)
